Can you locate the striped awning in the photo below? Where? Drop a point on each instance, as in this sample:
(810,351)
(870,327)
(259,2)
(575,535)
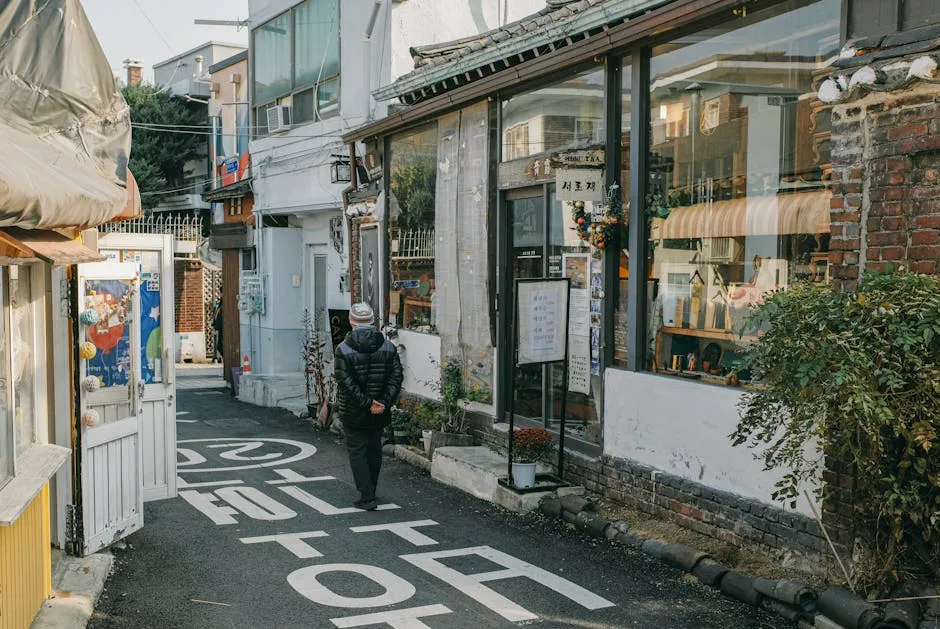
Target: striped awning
(793,213)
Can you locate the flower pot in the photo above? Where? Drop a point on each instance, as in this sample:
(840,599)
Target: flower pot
(523,475)
(426,438)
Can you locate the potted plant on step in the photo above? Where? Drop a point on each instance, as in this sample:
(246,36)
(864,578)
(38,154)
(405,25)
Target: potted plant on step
(529,446)
(450,426)
(428,418)
(319,385)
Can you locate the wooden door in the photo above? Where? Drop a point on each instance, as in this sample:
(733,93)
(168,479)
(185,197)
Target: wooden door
(111,472)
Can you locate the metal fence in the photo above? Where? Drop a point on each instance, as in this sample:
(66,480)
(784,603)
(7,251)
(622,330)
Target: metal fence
(188,228)
(413,244)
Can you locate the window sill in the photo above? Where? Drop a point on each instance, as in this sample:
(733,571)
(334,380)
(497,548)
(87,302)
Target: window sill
(34,469)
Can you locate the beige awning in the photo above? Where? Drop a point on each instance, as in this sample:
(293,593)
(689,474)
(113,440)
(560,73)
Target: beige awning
(21,246)
(793,213)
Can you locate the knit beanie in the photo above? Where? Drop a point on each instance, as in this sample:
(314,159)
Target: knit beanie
(361,314)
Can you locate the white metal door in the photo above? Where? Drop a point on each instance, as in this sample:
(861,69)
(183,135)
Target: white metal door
(153,255)
(112,496)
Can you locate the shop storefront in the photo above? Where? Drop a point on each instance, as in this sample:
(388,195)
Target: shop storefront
(675,178)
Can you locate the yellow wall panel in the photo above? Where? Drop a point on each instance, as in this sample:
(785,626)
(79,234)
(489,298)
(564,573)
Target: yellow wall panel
(25,565)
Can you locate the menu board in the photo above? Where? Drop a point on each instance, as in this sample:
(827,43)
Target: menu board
(542,319)
(576,267)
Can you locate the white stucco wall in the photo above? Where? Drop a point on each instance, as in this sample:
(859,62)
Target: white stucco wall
(682,428)
(420,361)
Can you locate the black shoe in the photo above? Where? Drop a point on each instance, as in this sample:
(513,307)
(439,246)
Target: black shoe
(367,505)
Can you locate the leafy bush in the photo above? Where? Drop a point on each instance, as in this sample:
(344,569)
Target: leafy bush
(450,415)
(856,377)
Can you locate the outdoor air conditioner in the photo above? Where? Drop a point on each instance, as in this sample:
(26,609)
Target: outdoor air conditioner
(721,249)
(279,118)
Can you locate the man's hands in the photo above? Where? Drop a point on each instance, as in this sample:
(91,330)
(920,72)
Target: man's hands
(377,408)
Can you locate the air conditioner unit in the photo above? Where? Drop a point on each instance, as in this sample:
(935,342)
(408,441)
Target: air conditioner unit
(721,249)
(279,118)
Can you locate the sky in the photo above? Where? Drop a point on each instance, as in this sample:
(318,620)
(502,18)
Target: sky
(155,30)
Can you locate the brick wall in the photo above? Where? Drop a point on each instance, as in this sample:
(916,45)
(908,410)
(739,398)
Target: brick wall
(719,514)
(355,272)
(190,314)
(886,184)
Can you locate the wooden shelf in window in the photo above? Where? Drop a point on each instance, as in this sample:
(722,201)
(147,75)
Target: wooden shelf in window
(722,335)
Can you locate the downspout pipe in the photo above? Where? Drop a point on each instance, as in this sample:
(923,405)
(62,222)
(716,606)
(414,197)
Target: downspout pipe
(367,58)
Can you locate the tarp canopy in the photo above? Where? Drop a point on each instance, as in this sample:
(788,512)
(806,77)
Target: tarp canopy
(65,132)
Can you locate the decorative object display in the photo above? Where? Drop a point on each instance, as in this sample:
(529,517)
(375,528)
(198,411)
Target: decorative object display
(87,351)
(90,384)
(599,228)
(88,317)
(91,418)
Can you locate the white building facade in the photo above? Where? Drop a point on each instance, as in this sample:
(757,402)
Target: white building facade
(313,67)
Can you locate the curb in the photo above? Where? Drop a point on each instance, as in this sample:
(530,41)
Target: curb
(77,582)
(412,458)
(834,608)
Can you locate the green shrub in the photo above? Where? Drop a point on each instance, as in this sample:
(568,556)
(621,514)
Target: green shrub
(856,377)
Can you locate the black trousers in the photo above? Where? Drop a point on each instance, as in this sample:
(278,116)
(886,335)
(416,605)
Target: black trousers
(365,458)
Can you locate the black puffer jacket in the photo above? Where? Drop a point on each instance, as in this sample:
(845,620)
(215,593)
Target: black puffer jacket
(367,369)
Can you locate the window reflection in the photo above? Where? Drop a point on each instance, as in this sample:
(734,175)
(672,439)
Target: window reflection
(563,116)
(737,203)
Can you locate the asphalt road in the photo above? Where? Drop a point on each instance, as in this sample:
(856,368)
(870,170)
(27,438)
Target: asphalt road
(226,555)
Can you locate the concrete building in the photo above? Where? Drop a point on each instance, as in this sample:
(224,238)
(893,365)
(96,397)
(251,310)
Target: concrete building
(233,219)
(186,76)
(309,85)
(675,161)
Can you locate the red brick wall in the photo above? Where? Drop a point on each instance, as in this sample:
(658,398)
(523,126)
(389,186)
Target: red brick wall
(886,184)
(190,314)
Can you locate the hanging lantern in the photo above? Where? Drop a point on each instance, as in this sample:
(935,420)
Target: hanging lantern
(91,418)
(88,317)
(340,172)
(91,384)
(87,351)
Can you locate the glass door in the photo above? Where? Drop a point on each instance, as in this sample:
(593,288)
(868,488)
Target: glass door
(544,243)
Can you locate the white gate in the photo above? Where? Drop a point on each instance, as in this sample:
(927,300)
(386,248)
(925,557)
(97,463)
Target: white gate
(153,256)
(112,496)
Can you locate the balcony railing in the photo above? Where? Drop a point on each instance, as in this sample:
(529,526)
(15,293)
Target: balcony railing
(413,244)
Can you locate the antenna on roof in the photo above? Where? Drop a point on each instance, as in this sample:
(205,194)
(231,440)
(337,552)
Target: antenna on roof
(238,24)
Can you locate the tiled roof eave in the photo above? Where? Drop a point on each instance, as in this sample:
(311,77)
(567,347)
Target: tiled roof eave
(593,18)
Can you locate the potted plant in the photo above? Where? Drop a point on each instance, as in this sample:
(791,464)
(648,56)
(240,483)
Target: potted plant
(402,424)
(428,417)
(320,386)
(450,426)
(529,446)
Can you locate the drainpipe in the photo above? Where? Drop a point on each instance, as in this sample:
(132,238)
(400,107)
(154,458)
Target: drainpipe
(367,55)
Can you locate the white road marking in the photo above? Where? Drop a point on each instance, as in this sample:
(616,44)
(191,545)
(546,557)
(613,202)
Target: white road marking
(187,421)
(205,504)
(404,530)
(178,413)
(192,458)
(397,619)
(293,542)
(306,450)
(472,584)
(397,590)
(255,504)
(290,476)
(322,506)
(182,484)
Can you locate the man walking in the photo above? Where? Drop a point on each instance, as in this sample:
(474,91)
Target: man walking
(369,377)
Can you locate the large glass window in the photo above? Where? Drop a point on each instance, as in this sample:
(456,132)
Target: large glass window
(563,116)
(413,165)
(623,257)
(6,399)
(22,346)
(316,48)
(296,61)
(737,203)
(270,48)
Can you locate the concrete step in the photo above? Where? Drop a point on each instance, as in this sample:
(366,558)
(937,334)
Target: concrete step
(477,470)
